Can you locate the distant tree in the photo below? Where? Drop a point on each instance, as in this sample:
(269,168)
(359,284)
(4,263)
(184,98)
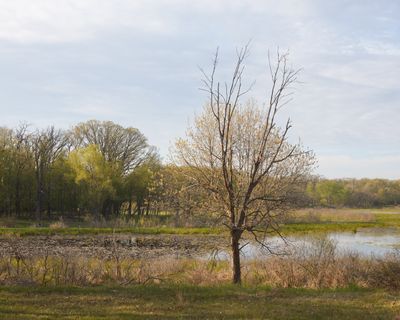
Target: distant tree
(64,197)
(138,184)
(332,193)
(241,158)
(46,145)
(128,146)
(125,148)
(94,175)
(179,194)
(6,169)
(21,159)
(35,172)
(359,193)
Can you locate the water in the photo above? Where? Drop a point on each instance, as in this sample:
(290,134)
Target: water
(369,242)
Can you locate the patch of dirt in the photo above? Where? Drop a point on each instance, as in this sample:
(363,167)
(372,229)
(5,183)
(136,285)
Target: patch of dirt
(107,246)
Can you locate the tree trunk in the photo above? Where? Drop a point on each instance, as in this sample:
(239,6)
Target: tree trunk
(39,200)
(48,195)
(17,197)
(236,269)
(39,193)
(177,218)
(61,203)
(130,207)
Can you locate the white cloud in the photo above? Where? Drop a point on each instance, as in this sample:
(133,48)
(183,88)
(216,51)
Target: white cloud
(337,166)
(27,21)
(134,61)
(58,21)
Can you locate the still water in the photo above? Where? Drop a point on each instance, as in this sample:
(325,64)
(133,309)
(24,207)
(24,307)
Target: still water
(368,242)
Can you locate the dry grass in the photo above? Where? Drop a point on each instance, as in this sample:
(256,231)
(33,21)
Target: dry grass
(60,224)
(316,215)
(316,265)
(66,271)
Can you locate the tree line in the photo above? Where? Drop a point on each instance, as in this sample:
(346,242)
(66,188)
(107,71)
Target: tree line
(357,193)
(95,166)
(105,169)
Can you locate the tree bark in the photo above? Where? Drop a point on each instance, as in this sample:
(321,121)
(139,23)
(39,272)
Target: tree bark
(236,269)
(48,195)
(39,192)
(17,196)
(38,205)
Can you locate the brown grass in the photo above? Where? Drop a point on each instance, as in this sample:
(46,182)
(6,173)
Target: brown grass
(315,215)
(313,266)
(58,225)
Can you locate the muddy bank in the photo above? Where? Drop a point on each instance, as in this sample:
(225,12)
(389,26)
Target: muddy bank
(107,246)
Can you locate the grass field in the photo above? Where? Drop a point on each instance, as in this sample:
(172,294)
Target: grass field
(190,302)
(302,221)
(350,220)
(45,231)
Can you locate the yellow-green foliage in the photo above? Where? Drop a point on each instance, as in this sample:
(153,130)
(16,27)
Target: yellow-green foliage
(93,173)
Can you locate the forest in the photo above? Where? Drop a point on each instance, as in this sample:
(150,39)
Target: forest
(103,169)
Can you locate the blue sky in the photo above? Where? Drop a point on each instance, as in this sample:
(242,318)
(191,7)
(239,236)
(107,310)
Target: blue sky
(136,62)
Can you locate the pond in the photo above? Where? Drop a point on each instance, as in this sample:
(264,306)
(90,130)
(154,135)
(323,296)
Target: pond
(367,242)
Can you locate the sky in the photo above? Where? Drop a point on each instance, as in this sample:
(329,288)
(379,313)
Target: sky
(136,62)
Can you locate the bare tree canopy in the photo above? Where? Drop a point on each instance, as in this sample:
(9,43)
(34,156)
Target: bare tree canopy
(241,156)
(47,145)
(125,145)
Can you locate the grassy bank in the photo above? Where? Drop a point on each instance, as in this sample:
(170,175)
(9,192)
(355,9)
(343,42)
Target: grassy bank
(46,231)
(324,227)
(301,221)
(192,302)
(313,266)
(349,220)
(286,229)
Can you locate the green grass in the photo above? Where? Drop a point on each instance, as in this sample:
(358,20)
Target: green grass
(37,231)
(321,220)
(388,220)
(323,227)
(381,220)
(191,302)
(345,220)
(292,228)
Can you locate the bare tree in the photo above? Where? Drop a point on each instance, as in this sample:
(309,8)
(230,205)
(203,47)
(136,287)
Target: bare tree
(178,194)
(128,146)
(21,160)
(47,145)
(242,158)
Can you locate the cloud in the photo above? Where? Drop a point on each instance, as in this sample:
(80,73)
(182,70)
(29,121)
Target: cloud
(135,62)
(60,21)
(49,21)
(338,166)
